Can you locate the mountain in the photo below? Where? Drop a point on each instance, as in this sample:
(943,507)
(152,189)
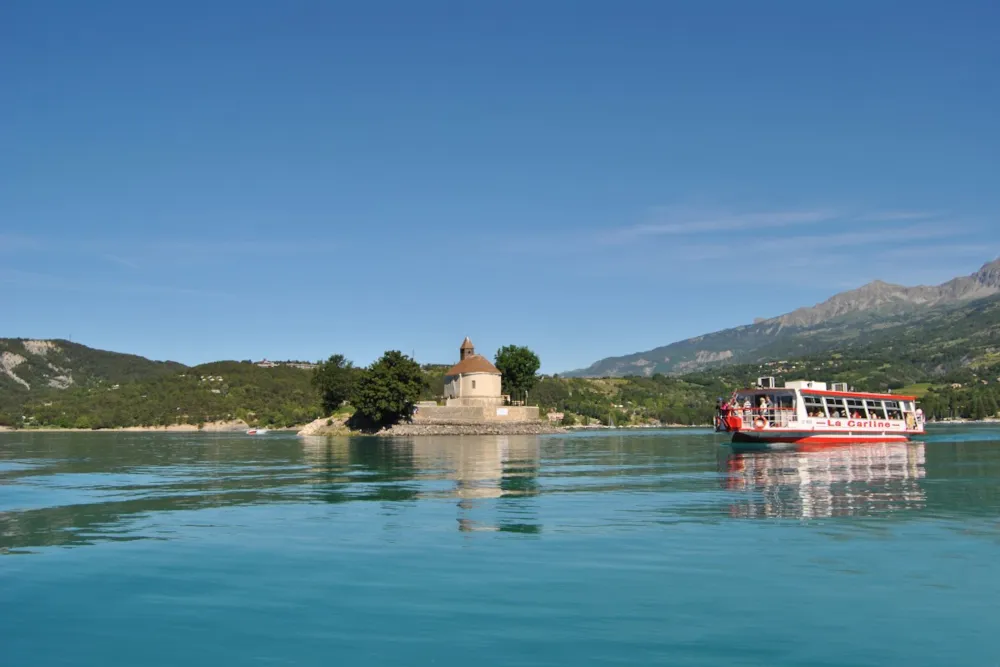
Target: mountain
(844,317)
(33,367)
(885,297)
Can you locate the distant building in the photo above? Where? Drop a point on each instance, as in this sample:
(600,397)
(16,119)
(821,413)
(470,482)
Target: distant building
(472,393)
(304,365)
(473,381)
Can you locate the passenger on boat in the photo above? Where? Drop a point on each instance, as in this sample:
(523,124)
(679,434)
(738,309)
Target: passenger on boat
(765,408)
(747,409)
(855,415)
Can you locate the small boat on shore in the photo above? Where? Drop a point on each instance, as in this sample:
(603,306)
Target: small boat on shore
(256,431)
(806,415)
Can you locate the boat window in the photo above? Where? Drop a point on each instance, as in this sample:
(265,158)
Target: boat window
(835,407)
(893,409)
(814,405)
(856,408)
(875,409)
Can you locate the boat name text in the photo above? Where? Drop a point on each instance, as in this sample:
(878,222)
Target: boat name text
(852,423)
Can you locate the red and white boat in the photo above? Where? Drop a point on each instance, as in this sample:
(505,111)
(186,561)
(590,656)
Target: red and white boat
(806,415)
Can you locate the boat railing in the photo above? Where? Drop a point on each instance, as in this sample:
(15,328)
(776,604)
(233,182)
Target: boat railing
(747,417)
(734,418)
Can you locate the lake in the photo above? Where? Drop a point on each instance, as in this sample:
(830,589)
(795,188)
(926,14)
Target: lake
(598,548)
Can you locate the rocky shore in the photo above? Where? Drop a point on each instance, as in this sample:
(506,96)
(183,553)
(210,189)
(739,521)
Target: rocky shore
(333,426)
(326,426)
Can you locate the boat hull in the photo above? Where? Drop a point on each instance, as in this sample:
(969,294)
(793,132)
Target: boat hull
(808,440)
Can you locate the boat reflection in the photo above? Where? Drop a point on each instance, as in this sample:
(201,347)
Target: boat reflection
(855,480)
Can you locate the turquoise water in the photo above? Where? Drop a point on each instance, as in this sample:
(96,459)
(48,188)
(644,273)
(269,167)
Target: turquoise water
(588,549)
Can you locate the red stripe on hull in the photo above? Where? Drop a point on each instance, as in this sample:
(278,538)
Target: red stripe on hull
(813,441)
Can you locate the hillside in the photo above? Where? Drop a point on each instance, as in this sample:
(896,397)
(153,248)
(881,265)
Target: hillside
(218,391)
(32,368)
(947,352)
(856,317)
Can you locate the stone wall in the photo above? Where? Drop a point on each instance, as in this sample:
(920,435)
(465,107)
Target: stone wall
(485,402)
(455,414)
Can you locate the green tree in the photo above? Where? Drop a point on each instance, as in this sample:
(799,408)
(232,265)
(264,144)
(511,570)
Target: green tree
(386,392)
(519,366)
(978,408)
(991,405)
(334,379)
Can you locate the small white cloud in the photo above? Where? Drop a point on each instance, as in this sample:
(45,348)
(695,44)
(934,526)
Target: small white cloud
(897,216)
(675,223)
(122,261)
(937,250)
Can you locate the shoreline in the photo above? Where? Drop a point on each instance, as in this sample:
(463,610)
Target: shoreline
(334,427)
(320,427)
(236,426)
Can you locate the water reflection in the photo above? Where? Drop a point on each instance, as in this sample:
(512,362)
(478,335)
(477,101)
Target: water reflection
(841,481)
(78,489)
(467,469)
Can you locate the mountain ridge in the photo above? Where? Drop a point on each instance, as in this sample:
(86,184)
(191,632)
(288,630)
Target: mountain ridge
(871,305)
(30,365)
(984,282)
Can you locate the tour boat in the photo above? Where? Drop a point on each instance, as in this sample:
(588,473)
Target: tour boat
(806,415)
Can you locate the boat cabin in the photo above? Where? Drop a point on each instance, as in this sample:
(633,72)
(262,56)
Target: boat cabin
(804,400)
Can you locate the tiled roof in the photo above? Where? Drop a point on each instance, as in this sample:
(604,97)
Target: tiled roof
(477,363)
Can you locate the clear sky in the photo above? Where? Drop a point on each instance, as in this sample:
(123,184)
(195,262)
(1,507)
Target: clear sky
(244,179)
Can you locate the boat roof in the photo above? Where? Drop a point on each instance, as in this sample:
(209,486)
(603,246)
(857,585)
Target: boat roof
(827,392)
(859,394)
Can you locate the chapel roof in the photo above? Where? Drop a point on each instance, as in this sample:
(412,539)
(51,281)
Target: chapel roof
(477,363)
(467,344)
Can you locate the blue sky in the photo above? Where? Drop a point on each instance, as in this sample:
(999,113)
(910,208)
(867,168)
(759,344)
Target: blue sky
(206,180)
